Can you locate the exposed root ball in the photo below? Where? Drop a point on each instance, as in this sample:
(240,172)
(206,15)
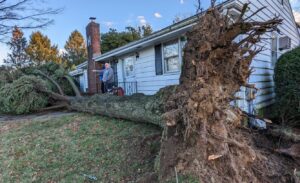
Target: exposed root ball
(201,135)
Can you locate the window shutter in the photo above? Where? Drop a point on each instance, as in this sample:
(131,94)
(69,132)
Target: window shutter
(158,60)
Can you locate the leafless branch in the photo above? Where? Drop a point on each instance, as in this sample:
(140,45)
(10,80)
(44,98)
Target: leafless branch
(199,8)
(256,12)
(23,14)
(213,3)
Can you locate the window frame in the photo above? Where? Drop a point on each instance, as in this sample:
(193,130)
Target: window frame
(124,66)
(179,49)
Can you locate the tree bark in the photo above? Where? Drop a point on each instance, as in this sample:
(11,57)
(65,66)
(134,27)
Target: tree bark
(60,90)
(73,85)
(138,108)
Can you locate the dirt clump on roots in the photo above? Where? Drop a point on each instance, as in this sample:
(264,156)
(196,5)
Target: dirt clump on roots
(202,135)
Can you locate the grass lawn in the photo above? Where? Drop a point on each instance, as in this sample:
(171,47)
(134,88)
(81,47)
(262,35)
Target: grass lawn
(64,149)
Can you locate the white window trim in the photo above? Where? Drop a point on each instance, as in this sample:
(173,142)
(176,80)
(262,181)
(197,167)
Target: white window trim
(124,69)
(179,57)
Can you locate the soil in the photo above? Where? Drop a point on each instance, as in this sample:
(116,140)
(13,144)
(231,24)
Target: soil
(268,167)
(145,152)
(274,167)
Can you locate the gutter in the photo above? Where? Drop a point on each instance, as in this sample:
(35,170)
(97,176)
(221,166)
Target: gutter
(138,44)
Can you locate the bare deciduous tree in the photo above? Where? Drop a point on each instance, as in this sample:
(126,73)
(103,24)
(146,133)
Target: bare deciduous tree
(25,14)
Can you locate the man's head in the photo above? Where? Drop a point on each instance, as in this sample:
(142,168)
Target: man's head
(107,65)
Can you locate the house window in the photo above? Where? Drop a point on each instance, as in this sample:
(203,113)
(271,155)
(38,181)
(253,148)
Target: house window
(171,56)
(129,66)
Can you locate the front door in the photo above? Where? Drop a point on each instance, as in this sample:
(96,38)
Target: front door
(129,84)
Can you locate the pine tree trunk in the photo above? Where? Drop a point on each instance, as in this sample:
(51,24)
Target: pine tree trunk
(138,108)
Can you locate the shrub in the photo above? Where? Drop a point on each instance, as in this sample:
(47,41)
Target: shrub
(23,96)
(287,87)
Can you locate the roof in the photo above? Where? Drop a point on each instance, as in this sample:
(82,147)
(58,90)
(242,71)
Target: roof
(82,65)
(79,69)
(156,37)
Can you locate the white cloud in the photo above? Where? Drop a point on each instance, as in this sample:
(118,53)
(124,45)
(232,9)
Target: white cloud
(157,15)
(181,1)
(297,16)
(142,20)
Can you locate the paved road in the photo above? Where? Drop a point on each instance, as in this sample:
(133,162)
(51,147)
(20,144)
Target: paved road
(37,116)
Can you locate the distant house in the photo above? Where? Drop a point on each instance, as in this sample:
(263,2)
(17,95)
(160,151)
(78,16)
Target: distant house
(153,62)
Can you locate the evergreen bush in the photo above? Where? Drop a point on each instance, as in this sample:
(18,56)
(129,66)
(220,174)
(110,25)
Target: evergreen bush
(287,87)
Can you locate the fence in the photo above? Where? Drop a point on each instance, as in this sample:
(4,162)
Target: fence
(129,88)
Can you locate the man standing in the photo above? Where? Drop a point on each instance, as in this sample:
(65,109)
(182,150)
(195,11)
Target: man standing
(108,78)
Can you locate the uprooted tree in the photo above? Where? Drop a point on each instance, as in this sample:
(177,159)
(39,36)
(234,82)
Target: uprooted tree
(201,135)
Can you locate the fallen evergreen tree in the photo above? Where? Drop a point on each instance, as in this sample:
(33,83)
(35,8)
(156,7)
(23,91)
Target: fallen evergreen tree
(27,89)
(23,95)
(201,135)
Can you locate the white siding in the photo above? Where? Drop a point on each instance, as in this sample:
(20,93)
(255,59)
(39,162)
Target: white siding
(85,84)
(263,68)
(262,64)
(145,76)
(120,71)
(83,81)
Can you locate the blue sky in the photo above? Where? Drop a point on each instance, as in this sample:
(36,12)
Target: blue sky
(111,14)
(115,14)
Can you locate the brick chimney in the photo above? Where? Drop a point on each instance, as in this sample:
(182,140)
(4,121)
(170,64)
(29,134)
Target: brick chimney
(93,47)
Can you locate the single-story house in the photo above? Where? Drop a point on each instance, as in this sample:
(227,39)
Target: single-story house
(153,62)
(81,76)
